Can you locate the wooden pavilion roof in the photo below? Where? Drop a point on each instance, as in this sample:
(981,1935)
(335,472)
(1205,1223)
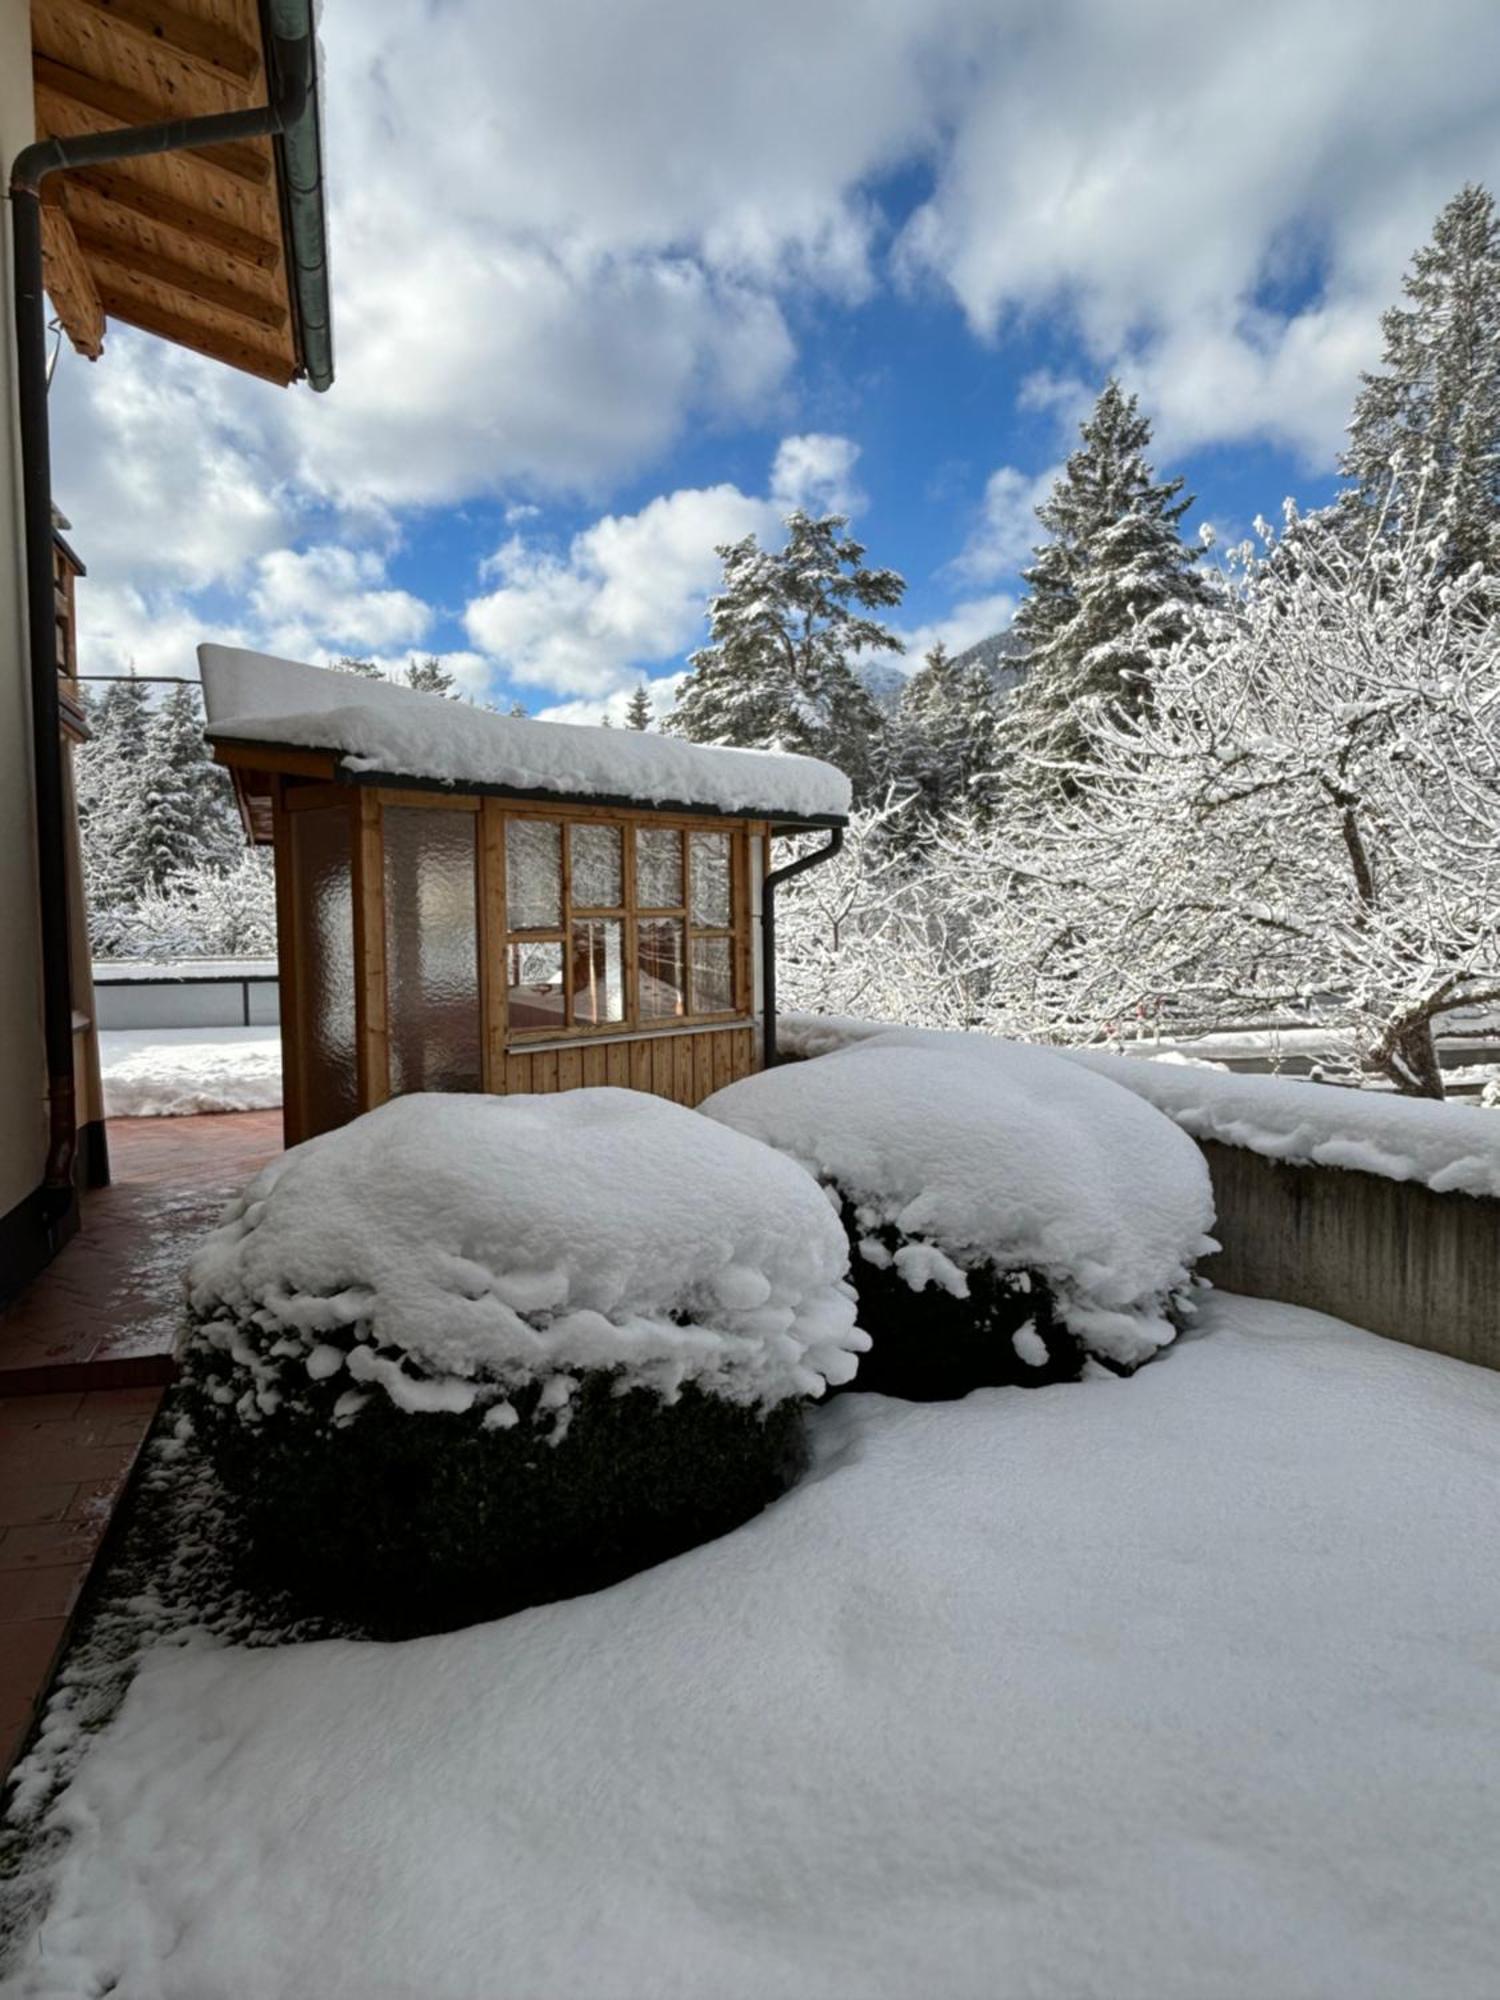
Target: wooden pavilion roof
(191,246)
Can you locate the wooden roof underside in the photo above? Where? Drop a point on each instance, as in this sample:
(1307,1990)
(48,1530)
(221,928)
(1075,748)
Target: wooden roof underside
(189,245)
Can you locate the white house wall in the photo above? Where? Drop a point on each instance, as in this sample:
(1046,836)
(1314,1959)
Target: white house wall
(23,1075)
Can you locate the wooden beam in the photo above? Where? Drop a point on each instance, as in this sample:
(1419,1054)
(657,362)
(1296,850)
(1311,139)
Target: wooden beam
(203,45)
(287,969)
(372,1041)
(275,757)
(115,188)
(70,284)
(79,102)
(107,251)
(492,980)
(121,304)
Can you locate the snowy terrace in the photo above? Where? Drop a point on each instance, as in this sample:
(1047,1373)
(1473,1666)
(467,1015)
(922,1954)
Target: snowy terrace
(1171,1685)
(1180,1688)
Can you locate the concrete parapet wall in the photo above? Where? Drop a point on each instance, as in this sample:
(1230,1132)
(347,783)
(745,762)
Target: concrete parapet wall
(1389,1255)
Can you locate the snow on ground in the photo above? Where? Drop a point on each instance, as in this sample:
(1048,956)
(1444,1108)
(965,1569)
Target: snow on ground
(500,1241)
(1448,1147)
(378,726)
(174,1072)
(1180,1688)
(997,1153)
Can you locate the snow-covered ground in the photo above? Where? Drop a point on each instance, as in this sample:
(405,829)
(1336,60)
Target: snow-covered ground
(1180,1688)
(173,1072)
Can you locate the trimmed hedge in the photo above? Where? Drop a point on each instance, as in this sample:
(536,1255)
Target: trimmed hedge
(416,1522)
(929,1346)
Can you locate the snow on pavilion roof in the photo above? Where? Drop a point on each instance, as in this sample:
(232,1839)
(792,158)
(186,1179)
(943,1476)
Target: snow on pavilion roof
(378,729)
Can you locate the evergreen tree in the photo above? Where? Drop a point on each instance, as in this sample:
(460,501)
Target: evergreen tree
(1424,439)
(111,811)
(202,796)
(430,676)
(519,711)
(1112,589)
(946,733)
(639,713)
(785,632)
(366,669)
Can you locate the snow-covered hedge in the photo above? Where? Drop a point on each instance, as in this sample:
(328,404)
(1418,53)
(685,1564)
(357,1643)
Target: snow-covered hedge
(1008,1210)
(470,1351)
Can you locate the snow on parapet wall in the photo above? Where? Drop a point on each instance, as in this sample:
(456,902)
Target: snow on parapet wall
(1450,1148)
(999,1154)
(494,1243)
(376,726)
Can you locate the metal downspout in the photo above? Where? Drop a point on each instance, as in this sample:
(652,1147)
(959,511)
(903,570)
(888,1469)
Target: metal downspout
(768,887)
(290,73)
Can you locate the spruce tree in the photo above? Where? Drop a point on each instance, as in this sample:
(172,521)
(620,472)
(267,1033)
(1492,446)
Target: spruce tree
(111,810)
(199,792)
(1424,439)
(786,633)
(1112,589)
(946,733)
(639,713)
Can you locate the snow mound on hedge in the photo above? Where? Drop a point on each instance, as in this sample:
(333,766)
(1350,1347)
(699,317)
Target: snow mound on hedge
(998,1153)
(474,1246)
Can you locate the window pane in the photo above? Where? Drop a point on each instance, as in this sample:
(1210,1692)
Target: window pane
(598,970)
(658,867)
(325,960)
(713,976)
(661,968)
(596,867)
(535,974)
(432,949)
(710,858)
(533,874)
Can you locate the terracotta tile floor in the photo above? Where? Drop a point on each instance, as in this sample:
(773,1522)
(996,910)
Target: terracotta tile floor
(84,1355)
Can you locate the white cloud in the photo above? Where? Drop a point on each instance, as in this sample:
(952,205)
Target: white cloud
(333,597)
(1007,531)
(662,690)
(629,590)
(816,473)
(1149,175)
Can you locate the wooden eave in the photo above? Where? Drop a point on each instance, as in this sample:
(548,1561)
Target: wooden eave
(190,246)
(253,767)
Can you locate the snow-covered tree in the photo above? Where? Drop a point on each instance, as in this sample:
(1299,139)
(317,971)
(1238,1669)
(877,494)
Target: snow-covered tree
(786,633)
(639,714)
(1424,439)
(111,815)
(945,732)
(428,676)
(1305,818)
(1112,589)
(200,913)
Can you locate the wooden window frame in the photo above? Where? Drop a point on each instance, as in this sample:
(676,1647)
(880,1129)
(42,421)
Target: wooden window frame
(629,913)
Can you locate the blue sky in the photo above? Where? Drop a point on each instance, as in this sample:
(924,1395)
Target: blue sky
(614,284)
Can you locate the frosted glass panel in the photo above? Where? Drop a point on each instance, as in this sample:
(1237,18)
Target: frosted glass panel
(325,961)
(533,874)
(713,976)
(661,968)
(598,970)
(710,863)
(431,949)
(535,974)
(596,867)
(658,868)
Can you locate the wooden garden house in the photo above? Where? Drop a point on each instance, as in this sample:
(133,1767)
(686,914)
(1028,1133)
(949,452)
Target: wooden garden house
(471,901)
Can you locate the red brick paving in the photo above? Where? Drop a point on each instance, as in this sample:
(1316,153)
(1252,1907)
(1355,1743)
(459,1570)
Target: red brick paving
(84,1355)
